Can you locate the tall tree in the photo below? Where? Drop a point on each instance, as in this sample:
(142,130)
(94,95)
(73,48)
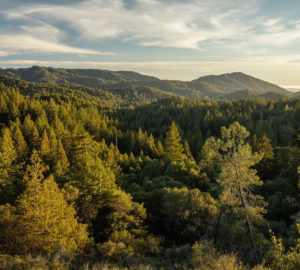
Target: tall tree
(264,147)
(42,221)
(44,149)
(174,150)
(20,143)
(237,178)
(7,151)
(62,162)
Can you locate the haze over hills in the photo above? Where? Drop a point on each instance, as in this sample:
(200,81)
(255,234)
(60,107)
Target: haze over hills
(231,85)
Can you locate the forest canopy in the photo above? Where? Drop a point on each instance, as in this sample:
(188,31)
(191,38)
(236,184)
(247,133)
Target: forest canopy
(98,178)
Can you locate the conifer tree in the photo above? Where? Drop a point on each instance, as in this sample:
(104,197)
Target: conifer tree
(19,142)
(7,151)
(264,147)
(187,150)
(28,125)
(160,149)
(62,163)
(173,147)
(42,220)
(89,175)
(237,178)
(34,138)
(44,149)
(52,142)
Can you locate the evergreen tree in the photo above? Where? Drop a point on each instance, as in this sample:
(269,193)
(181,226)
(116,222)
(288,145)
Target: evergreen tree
(44,149)
(264,147)
(42,220)
(186,214)
(89,175)
(119,227)
(34,139)
(7,152)
(52,143)
(20,143)
(28,125)
(237,178)
(62,163)
(173,148)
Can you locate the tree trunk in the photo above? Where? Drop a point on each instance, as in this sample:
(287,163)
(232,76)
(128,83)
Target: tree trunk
(217,226)
(247,219)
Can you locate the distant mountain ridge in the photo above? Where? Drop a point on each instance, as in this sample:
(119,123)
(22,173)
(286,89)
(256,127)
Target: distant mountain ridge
(212,86)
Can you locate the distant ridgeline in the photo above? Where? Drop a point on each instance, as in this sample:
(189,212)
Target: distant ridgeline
(137,87)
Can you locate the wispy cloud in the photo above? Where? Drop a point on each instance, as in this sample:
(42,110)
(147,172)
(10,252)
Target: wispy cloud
(20,43)
(32,34)
(228,34)
(148,23)
(188,24)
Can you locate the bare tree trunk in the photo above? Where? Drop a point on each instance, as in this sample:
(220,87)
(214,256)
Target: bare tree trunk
(247,219)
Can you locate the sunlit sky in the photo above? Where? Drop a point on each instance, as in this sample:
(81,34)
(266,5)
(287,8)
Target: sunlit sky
(180,39)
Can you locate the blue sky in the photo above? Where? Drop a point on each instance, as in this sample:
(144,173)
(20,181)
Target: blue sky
(179,39)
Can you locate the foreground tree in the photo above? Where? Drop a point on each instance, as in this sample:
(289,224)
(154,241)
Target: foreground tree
(42,221)
(119,229)
(186,214)
(237,178)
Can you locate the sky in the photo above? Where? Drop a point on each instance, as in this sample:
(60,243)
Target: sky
(170,39)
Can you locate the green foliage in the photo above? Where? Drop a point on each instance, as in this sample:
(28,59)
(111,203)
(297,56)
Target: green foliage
(205,257)
(145,202)
(279,259)
(237,176)
(174,150)
(7,152)
(119,227)
(41,221)
(186,214)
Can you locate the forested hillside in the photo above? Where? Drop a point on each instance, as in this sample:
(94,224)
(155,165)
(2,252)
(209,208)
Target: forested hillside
(220,86)
(96,179)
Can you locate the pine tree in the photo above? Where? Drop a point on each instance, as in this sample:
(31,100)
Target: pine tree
(89,175)
(42,220)
(34,138)
(151,146)
(20,143)
(264,147)
(28,125)
(4,113)
(44,149)
(187,150)
(237,178)
(173,148)
(52,143)
(62,163)
(160,149)
(7,151)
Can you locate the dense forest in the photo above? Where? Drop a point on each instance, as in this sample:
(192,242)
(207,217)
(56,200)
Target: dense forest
(140,179)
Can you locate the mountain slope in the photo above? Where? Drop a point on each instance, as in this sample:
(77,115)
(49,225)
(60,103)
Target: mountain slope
(237,81)
(113,97)
(213,86)
(88,77)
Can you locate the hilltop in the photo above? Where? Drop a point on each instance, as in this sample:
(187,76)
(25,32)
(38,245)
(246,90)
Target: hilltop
(212,86)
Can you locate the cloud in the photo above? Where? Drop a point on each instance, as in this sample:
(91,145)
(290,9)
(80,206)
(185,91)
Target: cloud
(36,36)
(232,30)
(188,24)
(148,23)
(15,44)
